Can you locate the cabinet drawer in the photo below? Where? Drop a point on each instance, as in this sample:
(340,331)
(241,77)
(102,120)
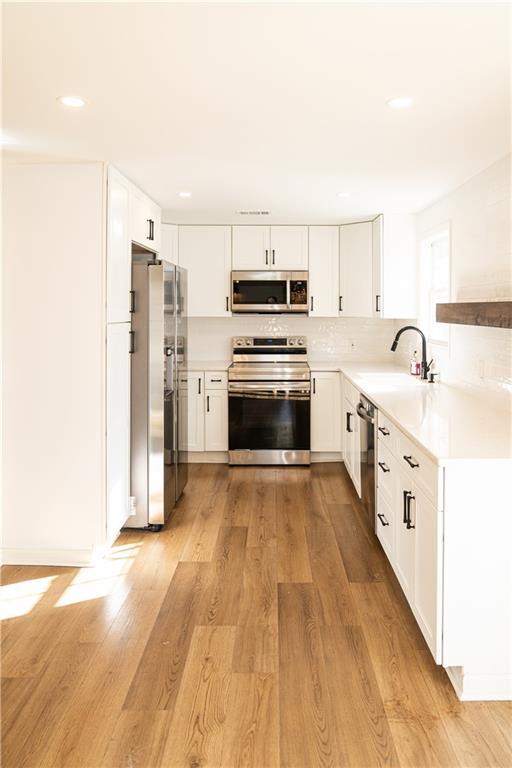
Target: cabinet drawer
(385,525)
(193,380)
(216,380)
(386,472)
(422,470)
(387,433)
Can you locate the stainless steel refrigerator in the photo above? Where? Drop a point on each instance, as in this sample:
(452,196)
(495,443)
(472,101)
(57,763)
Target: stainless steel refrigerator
(158,406)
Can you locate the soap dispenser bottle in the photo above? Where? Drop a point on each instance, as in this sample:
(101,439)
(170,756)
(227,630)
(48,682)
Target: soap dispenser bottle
(414,367)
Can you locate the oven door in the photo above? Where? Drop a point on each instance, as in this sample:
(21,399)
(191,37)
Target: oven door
(260,292)
(269,422)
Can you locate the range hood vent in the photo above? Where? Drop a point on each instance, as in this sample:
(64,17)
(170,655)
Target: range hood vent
(494,314)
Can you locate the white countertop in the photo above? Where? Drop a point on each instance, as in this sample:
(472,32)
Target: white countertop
(446,421)
(208,365)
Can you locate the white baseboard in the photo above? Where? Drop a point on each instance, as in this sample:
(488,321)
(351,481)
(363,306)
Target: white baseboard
(478,687)
(324,457)
(70,557)
(207,457)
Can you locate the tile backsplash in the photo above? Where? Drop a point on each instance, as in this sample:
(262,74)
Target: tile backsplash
(328,338)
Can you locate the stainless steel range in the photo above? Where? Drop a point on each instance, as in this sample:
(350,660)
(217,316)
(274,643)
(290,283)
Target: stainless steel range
(269,387)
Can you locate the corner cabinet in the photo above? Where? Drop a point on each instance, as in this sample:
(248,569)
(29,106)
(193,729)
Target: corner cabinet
(205,251)
(82,226)
(378,268)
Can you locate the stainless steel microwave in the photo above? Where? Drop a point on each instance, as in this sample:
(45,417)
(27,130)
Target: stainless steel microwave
(269,292)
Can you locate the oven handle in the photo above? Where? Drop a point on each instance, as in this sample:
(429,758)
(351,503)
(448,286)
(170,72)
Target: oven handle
(270,391)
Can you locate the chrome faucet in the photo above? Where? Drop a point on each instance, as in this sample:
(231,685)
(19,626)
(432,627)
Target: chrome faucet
(424,365)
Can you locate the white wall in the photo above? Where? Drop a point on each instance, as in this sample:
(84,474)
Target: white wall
(328,338)
(479,218)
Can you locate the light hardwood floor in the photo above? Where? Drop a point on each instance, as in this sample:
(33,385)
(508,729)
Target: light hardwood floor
(262,627)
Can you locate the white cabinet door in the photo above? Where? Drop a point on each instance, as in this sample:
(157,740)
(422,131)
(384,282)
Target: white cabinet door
(118,427)
(251,247)
(216,420)
(427,570)
(377,252)
(325,411)
(194,383)
(145,220)
(119,255)
(205,251)
(356,455)
(356,259)
(169,243)
(404,539)
(394,266)
(289,248)
(348,419)
(323,271)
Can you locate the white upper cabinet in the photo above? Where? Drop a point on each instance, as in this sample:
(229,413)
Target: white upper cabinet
(205,251)
(251,248)
(279,248)
(146,220)
(119,255)
(323,271)
(289,248)
(356,259)
(169,243)
(394,266)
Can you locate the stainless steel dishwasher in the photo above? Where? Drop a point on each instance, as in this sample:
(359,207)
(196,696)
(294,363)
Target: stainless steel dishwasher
(367,412)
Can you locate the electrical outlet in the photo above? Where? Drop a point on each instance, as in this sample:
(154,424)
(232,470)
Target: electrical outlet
(352,345)
(133,506)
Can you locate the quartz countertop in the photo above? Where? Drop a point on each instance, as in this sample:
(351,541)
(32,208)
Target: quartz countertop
(447,421)
(208,365)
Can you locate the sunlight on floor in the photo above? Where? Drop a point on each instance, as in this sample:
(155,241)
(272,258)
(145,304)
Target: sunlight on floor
(20,598)
(103,580)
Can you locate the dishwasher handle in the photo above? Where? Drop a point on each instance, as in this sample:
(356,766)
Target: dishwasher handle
(364,415)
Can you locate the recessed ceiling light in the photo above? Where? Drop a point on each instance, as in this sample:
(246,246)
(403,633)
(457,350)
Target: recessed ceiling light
(185,194)
(71,101)
(343,194)
(400,102)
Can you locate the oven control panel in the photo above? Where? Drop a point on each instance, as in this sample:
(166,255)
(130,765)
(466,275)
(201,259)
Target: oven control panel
(283,342)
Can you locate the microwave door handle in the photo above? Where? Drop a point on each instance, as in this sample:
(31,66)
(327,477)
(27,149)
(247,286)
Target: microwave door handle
(288,299)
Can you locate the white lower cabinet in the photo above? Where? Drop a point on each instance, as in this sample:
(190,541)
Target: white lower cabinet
(409,527)
(206,411)
(427,570)
(118,427)
(194,384)
(351,443)
(216,420)
(325,411)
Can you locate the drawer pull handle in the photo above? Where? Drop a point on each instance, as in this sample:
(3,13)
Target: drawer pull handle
(216,380)
(409,524)
(384,431)
(411,461)
(384,466)
(348,424)
(382,519)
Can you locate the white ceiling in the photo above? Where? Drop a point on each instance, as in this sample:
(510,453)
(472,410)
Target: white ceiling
(267,106)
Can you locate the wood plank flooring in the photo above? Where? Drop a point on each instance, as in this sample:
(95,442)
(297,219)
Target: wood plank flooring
(263,627)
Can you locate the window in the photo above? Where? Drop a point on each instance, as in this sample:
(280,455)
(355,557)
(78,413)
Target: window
(435,284)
